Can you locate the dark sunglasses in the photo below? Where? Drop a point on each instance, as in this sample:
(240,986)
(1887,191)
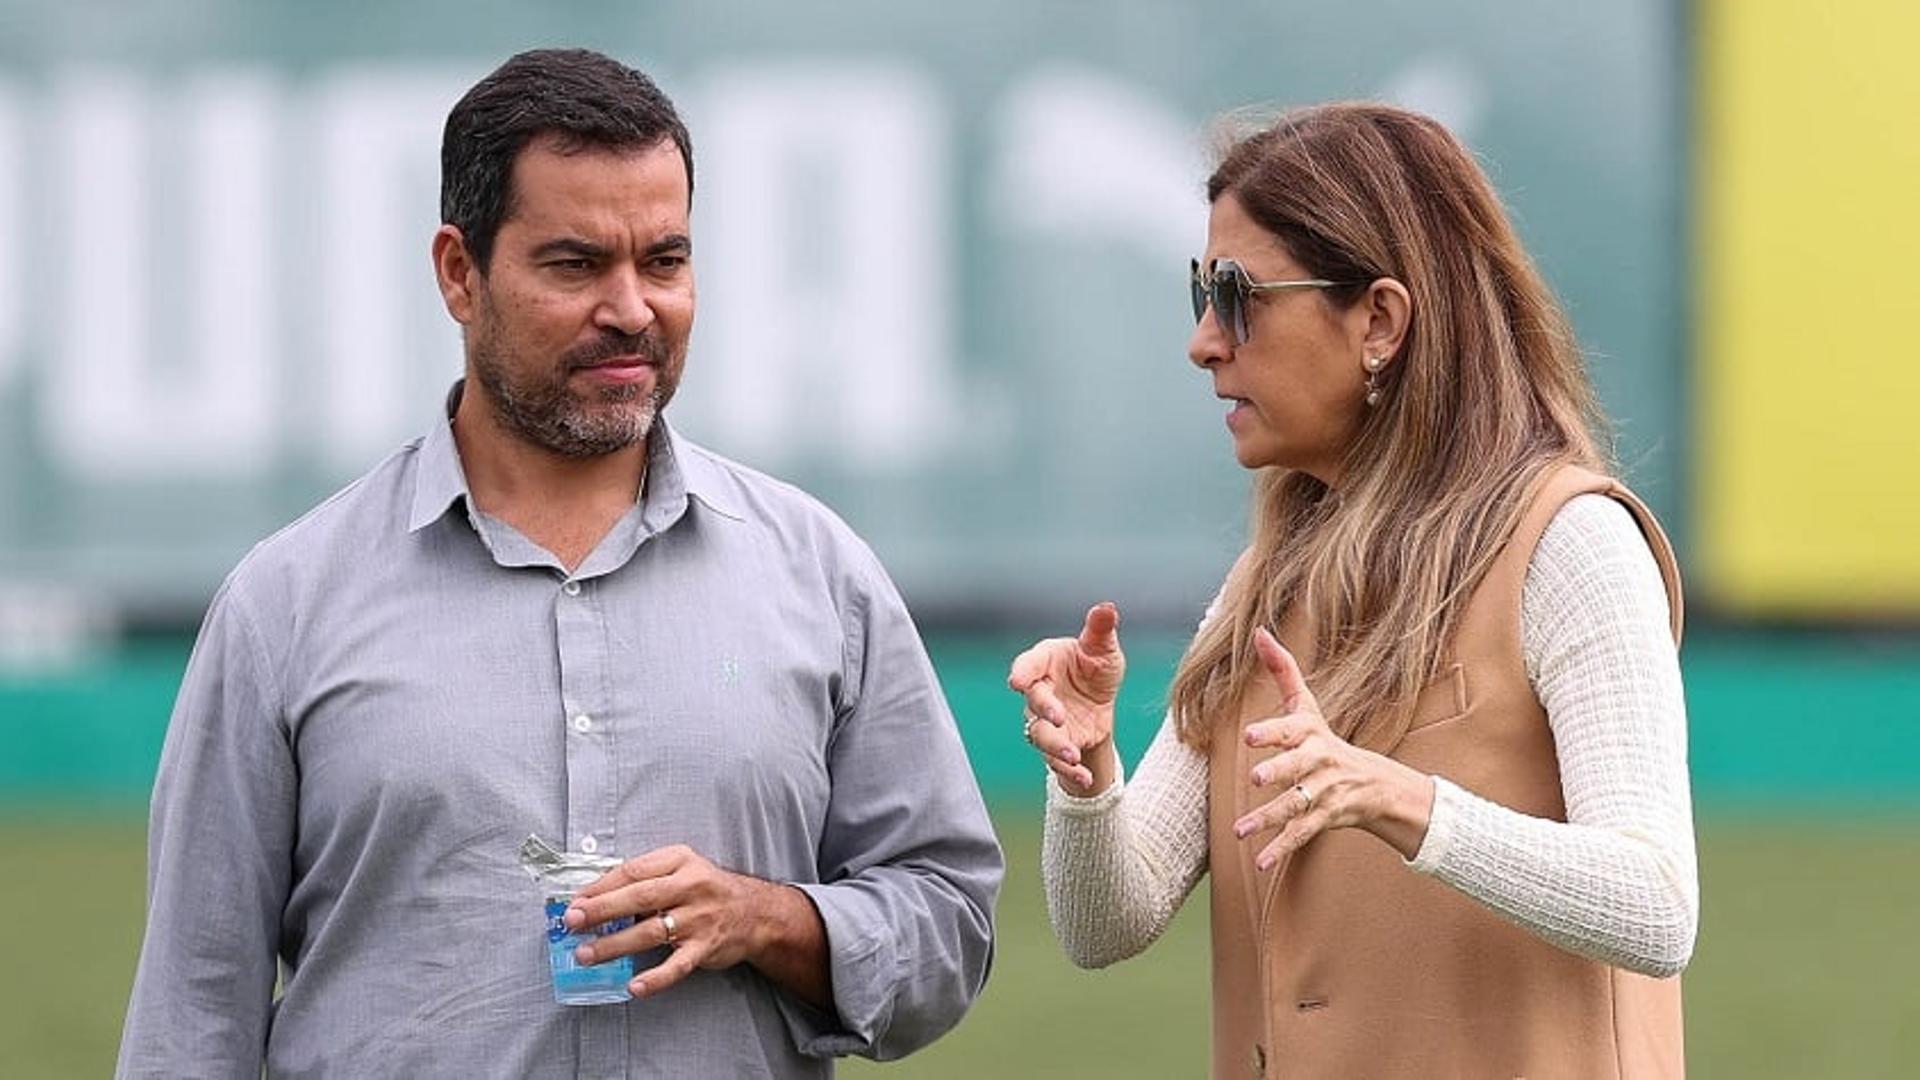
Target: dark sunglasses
(1226,288)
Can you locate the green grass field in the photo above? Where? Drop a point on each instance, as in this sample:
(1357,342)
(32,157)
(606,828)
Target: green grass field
(1806,963)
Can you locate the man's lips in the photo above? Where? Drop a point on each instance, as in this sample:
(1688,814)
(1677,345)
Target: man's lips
(617,362)
(625,369)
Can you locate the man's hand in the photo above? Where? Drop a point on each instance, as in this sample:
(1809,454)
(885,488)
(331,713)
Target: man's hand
(711,918)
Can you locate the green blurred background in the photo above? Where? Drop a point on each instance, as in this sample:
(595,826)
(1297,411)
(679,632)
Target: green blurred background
(215,307)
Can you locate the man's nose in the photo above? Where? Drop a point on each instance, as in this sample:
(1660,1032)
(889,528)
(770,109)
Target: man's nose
(624,305)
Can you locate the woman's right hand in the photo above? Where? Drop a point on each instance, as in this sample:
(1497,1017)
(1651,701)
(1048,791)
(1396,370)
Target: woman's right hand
(1070,685)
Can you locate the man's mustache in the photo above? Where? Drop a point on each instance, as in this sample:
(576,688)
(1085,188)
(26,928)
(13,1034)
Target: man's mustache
(645,345)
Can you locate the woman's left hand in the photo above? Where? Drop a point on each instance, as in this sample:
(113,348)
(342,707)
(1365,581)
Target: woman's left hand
(1325,781)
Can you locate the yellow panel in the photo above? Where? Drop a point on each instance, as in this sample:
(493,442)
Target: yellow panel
(1808,383)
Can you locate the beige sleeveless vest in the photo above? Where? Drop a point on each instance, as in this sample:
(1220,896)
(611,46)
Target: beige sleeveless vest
(1342,962)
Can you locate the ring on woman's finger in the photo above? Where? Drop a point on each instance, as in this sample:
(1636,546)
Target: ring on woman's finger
(1027,730)
(672,929)
(1306,797)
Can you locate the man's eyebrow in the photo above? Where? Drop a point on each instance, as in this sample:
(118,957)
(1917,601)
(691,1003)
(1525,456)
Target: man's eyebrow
(570,246)
(677,244)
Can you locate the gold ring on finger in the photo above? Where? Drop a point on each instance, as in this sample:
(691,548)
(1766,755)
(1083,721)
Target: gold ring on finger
(672,928)
(1306,797)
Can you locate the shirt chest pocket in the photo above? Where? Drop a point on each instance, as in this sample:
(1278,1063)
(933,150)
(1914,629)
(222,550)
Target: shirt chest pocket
(733,742)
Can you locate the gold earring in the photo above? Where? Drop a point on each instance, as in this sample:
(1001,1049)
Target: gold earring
(1373,364)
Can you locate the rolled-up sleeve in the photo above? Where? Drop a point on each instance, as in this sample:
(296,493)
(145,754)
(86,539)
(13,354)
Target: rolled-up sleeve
(909,867)
(218,863)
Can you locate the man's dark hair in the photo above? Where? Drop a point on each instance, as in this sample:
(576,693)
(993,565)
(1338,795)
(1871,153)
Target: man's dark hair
(583,98)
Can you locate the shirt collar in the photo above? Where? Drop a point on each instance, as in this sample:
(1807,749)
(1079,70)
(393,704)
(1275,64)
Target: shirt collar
(684,470)
(676,470)
(438,479)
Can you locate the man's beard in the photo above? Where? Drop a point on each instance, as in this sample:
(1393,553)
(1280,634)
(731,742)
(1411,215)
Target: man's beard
(548,413)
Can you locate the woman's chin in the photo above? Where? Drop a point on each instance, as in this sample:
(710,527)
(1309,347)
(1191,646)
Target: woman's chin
(1251,455)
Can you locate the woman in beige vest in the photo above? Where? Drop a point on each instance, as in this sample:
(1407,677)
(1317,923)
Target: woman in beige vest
(1429,741)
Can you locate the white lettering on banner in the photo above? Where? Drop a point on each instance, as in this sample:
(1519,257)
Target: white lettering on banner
(387,347)
(233,290)
(12,237)
(13,242)
(104,302)
(117,405)
(1086,156)
(825,262)
(218,272)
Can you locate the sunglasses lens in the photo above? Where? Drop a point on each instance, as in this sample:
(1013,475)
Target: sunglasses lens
(1228,299)
(1224,286)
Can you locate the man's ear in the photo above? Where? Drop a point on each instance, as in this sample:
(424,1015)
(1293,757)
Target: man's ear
(456,273)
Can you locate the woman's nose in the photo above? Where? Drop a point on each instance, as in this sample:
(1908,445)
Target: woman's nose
(1207,345)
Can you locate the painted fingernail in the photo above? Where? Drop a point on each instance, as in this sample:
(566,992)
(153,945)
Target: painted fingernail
(1241,829)
(1070,756)
(1264,862)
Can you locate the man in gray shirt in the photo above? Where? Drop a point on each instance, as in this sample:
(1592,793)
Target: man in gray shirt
(553,615)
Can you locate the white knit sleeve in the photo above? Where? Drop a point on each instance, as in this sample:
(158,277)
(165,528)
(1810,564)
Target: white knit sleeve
(1617,880)
(1119,864)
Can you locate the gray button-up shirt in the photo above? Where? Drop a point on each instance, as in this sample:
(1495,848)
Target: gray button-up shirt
(389,695)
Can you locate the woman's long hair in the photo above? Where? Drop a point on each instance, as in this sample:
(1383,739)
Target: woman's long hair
(1486,395)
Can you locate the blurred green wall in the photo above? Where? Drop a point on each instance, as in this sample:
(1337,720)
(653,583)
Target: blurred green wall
(89,737)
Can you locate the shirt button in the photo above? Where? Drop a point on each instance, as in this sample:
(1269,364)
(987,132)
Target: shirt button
(588,844)
(571,588)
(583,723)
